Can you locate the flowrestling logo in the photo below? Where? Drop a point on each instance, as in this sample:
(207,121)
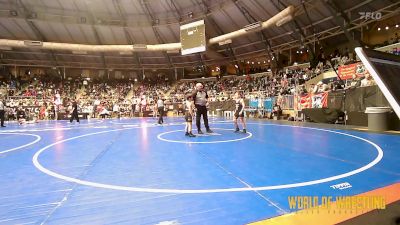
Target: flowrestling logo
(341,186)
(370,15)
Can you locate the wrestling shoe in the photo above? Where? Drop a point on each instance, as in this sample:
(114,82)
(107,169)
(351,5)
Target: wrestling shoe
(200,132)
(209,131)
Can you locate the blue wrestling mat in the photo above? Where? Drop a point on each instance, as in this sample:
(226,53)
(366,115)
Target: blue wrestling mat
(132,171)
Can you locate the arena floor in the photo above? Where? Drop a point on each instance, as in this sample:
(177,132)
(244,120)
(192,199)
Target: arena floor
(131,171)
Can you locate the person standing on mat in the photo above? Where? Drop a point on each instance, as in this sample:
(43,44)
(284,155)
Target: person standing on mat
(160,109)
(201,102)
(2,112)
(189,111)
(239,112)
(74,114)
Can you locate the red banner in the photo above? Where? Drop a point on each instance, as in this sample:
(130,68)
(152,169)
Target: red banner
(347,71)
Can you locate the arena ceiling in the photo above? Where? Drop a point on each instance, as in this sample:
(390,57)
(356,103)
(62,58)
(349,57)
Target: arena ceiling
(123,22)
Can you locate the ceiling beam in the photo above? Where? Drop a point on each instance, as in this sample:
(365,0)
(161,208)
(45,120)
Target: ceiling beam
(149,14)
(27,14)
(228,47)
(342,20)
(128,36)
(97,37)
(298,29)
(251,19)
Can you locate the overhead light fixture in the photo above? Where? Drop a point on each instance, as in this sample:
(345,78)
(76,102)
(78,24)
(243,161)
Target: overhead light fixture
(397,26)
(13,13)
(253,26)
(248,62)
(252,63)
(33,15)
(379,28)
(79,52)
(33,43)
(269,60)
(176,51)
(284,20)
(258,63)
(387,27)
(236,66)
(125,53)
(139,46)
(229,41)
(6,48)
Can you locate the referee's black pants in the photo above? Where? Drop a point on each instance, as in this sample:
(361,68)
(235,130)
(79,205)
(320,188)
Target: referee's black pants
(201,110)
(161,114)
(2,113)
(74,115)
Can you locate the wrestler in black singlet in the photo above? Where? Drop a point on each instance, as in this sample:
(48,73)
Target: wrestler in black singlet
(238,108)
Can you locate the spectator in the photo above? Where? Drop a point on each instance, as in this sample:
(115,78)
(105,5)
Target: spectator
(367,81)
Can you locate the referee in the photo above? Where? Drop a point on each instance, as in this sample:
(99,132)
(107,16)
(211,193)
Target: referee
(2,112)
(160,109)
(201,101)
(74,114)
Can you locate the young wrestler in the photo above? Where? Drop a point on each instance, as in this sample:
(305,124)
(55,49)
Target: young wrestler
(189,112)
(239,112)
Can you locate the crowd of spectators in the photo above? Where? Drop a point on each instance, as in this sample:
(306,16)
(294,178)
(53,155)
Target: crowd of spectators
(42,98)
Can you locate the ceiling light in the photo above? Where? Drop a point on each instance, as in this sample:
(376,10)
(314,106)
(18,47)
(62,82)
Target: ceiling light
(13,13)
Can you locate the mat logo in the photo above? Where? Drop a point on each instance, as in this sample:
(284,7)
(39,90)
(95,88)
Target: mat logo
(341,186)
(171,222)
